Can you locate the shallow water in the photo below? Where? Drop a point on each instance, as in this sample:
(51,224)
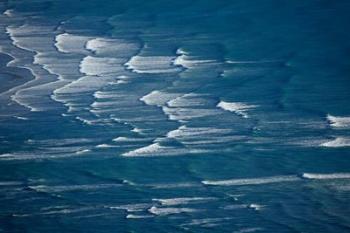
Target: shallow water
(161,116)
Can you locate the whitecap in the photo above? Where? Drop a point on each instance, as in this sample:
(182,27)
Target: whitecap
(101,66)
(338,142)
(158,98)
(151,64)
(21,118)
(174,185)
(185,60)
(134,216)
(69,43)
(132,207)
(253,181)
(190,132)
(105,146)
(137,130)
(183,200)
(189,100)
(82,151)
(255,206)
(83,84)
(339,122)
(167,211)
(71,188)
(126,139)
(331,176)
(107,95)
(112,47)
(185,114)
(8,12)
(237,107)
(156,149)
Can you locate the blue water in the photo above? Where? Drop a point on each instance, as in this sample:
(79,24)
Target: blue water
(174,116)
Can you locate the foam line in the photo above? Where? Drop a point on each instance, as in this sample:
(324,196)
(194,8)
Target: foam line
(183,200)
(318,176)
(253,181)
(168,211)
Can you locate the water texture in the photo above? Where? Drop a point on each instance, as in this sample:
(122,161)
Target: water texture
(174,116)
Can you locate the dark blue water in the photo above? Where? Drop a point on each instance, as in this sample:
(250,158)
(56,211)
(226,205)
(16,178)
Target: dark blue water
(174,116)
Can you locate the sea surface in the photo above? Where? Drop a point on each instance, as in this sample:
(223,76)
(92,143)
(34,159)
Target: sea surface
(159,116)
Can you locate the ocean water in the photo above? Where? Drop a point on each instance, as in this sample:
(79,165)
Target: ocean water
(174,116)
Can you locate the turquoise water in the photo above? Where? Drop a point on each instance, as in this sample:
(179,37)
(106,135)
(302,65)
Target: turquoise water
(162,116)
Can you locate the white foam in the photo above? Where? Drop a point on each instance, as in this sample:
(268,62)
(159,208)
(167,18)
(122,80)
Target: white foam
(183,200)
(32,38)
(69,43)
(21,118)
(8,12)
(106,95)
(190,132)
(119,82)
(58,153)
(151,64)
(167,211)
(125,139)
(84,84)
(70,188)
(60,142)
(65,66)
(134,216)
(111,47)
(105,146)
(338,142)
(153,148)
(175,185)
(253,181)
(101,66)
(188,100)
(137,130)
(238,108)
(7,156)
(85,121)
(255,206)
(185,114)
(156,149)
(339,122)
(203,135)
(331,176)
(82,151)
(132,207)
(183,59)
(158,98)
